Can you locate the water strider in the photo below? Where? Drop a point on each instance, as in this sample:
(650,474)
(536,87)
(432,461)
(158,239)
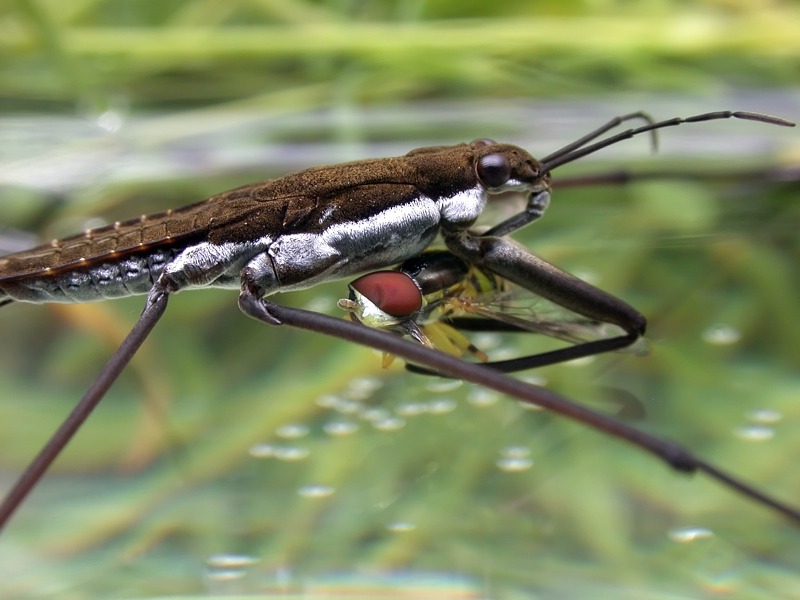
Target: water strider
(333,222)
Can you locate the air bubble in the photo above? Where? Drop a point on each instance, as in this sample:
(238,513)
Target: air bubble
(223,575)
(374,413)
(411,409)
(229,561)
(291,453)
(262,450)
(513,464)
(755,433)
(223,568)
(515,451)
(539,380)
(340,428)
(444,385)
(529,406)
(720,334)
(347,407)
(479,396)
(401,526)
(764,416)
(514,459)
(580,362)
(684,535)
(361,388)
(441,406)
(367,384)
(389,424)
(328,401)
(292,431)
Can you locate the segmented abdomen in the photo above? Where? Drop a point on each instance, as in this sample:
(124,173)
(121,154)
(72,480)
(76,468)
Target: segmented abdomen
(133,273)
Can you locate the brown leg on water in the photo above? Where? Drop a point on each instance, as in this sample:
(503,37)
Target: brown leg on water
(154,308)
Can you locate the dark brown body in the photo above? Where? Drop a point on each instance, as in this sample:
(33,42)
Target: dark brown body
(231,228)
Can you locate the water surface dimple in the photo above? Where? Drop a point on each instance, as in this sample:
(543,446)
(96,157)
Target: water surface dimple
(755,432)
(411,409)
(292,431)
(328,400)
(362,388)
(262,450)
(347,407)
(441,406)
(764,415)
(291,453)
(514,459)
(340,428)
(444,385)
(479,396)
(580,362)
(374,413)
(720,334)
(539,380)
(229,561)
(685,535)
(389,424)
(315,491)
(401,526)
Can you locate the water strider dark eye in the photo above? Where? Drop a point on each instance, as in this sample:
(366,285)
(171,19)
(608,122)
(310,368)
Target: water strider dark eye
(493,170)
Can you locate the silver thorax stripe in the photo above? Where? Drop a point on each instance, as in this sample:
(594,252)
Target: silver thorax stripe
(464,206)
(216,265)
(343,249)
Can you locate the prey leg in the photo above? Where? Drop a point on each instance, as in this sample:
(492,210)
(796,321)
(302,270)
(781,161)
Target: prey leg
(154,308)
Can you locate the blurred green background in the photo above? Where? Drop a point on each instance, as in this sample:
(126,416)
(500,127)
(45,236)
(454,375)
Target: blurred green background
(232,458)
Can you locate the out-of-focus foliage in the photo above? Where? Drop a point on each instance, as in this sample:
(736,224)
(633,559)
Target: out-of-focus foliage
(234,458)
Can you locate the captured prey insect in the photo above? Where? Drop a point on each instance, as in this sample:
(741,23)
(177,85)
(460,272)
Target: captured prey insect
(432,297)
(333,222)
(416,298)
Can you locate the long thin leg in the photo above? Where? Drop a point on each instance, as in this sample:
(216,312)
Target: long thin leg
(553,357)
(534,209)
(674,455)
(153,309)
(509,260)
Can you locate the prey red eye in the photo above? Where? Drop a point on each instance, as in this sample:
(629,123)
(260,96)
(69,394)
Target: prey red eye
(393,292)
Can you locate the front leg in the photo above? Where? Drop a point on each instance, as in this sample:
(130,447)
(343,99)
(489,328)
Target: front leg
(154,308)
(513,262)
(534,210)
